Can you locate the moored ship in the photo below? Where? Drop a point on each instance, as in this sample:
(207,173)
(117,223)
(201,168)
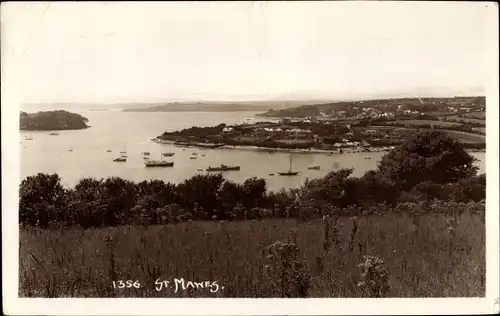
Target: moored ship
(224,168)
(160,163)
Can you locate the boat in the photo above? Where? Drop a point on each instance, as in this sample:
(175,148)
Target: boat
(109,150)
(53,134)
(194,154)
(120,159)
(28,137)
(203,155)
(193,157)
(158,163)
(146,153)
(70,149)
(314,168)
(289,172)
(170,154)
(224,168)
(123,153)
(271,174)
(368,157)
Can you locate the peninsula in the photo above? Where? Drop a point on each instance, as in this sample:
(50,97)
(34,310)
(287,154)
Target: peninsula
(51,121)
(346,126)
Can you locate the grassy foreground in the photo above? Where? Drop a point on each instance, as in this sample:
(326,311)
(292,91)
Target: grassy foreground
(422,258)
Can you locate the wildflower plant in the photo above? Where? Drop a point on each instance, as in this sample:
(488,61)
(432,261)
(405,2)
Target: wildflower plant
(285,270)
(374,277)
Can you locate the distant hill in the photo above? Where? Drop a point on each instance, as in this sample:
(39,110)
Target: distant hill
(390,104)
(52,120)
(216,106)
(179,106)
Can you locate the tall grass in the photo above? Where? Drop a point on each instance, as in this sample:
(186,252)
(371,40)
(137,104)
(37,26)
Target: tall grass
(443,255)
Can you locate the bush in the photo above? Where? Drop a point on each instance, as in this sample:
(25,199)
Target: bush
(428,156)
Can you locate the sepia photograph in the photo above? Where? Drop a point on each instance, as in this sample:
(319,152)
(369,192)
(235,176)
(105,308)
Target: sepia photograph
(251,150)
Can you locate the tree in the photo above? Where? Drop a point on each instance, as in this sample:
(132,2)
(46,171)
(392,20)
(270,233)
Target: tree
(329,189)
(427,156)
(369,189)
(163,193)
(254,190)
(470,189)
(42,199)
(120,197)
(230,195)
(202,190)
(87,203)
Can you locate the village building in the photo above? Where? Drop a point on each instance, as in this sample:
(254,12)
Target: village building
(299,133)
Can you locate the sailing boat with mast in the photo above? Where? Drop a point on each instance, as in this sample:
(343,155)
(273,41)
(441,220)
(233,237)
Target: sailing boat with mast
(122,157)
(289,172)
(123,153)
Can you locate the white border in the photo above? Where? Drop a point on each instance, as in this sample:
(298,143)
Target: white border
(438,306)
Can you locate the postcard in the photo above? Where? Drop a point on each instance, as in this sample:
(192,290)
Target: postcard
(274,158)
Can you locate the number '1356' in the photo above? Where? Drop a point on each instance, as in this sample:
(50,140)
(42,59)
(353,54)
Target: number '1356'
(126,284)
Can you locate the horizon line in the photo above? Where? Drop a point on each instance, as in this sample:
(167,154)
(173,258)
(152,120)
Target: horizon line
(181,101)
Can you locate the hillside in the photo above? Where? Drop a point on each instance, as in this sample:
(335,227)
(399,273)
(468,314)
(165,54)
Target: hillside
(52,120)
(387,105)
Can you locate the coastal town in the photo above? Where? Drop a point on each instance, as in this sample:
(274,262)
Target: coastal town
(360,125)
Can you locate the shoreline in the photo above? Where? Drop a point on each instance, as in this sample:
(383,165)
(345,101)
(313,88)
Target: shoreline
(350,150)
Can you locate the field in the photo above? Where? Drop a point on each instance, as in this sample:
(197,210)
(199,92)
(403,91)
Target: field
(425,259)
(425,122)
(477,115)
(465,137)
(466,119)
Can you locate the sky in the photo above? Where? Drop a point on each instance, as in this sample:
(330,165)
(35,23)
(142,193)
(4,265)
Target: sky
(154,52)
